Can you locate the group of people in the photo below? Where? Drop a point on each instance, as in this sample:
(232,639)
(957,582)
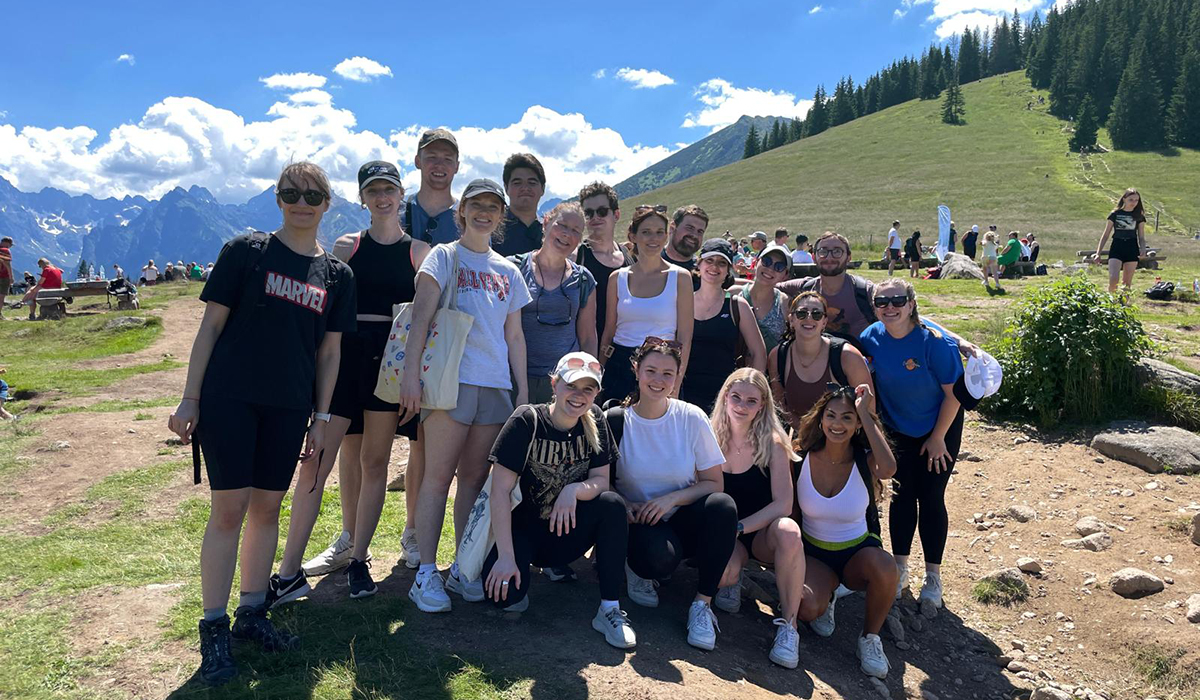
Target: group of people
(997,255)
(174,272)
(644,403)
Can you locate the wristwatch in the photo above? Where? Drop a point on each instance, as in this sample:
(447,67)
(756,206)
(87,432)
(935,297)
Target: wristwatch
(741,529)
(321,416)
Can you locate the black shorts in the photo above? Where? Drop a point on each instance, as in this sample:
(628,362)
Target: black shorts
(358,372)
(250,445)
(747,540)
(910,258)
(894,253)
(837,559)
(1124,248)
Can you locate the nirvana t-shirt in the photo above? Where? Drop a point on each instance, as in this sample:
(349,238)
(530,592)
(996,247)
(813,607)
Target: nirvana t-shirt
(909,374)
(1125,223)
(489,288)
(555,458)
(281,305)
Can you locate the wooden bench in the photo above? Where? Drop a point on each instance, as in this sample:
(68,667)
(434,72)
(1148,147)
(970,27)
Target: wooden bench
(52,303)
(1149,262)
(931,261)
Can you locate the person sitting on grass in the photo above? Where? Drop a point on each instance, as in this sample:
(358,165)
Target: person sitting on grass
(1011,253)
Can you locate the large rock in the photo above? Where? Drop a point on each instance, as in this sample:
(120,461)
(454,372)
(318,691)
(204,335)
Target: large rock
(1196,528)
(1022,513)
(1134,583)
(1153,448)
(1193,608)
(1169,376)
(1050,693)
(1096,542)
(1089,525)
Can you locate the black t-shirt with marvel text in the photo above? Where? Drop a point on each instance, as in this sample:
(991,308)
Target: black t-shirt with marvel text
(281,304)
(556,458)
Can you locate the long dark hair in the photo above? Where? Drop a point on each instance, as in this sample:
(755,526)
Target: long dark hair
(810,437)
(647,347)
(789,333)
(1138,210)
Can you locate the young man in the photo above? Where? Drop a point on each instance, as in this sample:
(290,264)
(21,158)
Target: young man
(52,278)
(118,273)
(894,245)
(429,214)
(781,237)
(6,270)
(685,234)
(801,256)
(599,252)
(524,183)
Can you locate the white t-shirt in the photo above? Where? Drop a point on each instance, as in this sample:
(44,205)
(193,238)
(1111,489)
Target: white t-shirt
(663,455)
(489,288)
(801,257)
(150,273)
(894,239)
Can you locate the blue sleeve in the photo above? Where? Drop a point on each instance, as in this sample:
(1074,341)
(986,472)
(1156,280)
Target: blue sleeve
(942,357)
(587,285)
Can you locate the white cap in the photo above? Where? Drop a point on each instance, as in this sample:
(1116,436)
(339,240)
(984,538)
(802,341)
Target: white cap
(578,365)
(983,375)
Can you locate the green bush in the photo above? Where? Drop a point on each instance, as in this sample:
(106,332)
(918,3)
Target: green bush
(1069,353)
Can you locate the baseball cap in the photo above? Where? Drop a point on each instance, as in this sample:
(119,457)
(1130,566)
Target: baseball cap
(776,248)
(483,186)
(759,236)
(717,246)
(578,365)
(439,134)
(378,170)
(983,375)
(975,228)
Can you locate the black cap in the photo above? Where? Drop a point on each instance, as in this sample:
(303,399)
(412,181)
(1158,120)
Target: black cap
(717,246)
(483,186)
(378,170)
(439,134)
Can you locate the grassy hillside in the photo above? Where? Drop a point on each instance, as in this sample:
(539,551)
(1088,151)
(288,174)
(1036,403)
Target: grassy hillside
(1008,165)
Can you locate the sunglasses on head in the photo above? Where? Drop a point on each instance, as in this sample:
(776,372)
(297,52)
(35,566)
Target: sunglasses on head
(778,265)
(815,314)
(897,300)
(291,195)
(651,207)
(578,363)
(654,341)
(598,211)
(839,389)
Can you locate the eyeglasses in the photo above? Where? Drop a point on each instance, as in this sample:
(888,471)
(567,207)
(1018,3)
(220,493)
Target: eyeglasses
(598,211)
(537,306)
(653,340)
(661,208)
(312,198)
(897,301)
(815,314)
(578,363)
(778,265)
(835,253)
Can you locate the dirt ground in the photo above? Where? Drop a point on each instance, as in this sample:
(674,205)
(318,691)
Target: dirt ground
(1072,631)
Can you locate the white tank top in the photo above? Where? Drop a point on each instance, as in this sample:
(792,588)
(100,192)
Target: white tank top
(842,518)
(638,318)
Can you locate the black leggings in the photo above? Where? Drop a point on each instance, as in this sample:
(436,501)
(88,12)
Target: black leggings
(916,485)
(600,522)
(705,529)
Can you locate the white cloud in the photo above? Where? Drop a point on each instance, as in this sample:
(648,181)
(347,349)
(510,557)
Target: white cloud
(361,70)
(724,104)
(293,81)
(126,58)
(641,78)
(815,10)
(952,16)
(600,74)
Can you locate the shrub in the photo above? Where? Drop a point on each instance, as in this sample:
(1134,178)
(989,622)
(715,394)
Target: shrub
(999,592)
(1069,353)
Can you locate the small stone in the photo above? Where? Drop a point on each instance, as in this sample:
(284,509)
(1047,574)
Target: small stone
(917,623)
(1097,542)
(880,687)
(1196,529)
(1021,440)
(894,627)
(1089,525)
(1152,486)
(1022,513)
(929,611)
(903,646)
(1193,608)
(1029,565)
(1134,583)
(927,695)
(1017,666)
(1018,644)
(1047,692)
(60,445)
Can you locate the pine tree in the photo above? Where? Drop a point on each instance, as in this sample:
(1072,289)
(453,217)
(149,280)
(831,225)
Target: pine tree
(1183,116)
(818,116)
(1086,126)
(968,58)
(83,269)
(751,148)
(953,106)
(765,144)
(776,139)
(794,130)
(1136,121)
(927,81)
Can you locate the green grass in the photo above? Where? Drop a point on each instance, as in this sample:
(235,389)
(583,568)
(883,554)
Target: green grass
(998,592)
(1165,670)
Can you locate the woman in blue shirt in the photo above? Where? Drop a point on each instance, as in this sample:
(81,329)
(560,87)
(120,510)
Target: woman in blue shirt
(916,364)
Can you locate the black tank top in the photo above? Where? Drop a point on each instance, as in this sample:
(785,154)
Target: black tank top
(383,274)
(750,490)
(584,256)
(714,340)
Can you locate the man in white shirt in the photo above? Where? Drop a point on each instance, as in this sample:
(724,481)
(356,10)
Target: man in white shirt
(801,256)
(894,245)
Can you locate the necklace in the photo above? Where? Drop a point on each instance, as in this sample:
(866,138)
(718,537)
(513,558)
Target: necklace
(739,448)
(800,358)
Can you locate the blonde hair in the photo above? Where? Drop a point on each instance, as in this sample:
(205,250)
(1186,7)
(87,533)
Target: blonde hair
(562,209)
(989,237)
(766,430)
(587,420)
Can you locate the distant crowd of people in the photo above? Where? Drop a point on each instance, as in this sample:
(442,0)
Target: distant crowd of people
(173,272)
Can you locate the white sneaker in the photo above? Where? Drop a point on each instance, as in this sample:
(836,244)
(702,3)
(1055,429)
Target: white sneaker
(729,598)
(471,591)
(786,651)
(870,652)
(429,593)
(614,625)
(641,590)
(842,591)
(702,626)
(823,625)
(409,554)
(902,581)
(931,590)
(334,558)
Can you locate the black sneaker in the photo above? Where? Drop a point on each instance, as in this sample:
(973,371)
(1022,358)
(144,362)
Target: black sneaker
(359,576)
(560,574)
(252,624)
(280,591)
(216,658)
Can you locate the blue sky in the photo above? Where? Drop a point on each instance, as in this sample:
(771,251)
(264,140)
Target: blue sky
(135,98)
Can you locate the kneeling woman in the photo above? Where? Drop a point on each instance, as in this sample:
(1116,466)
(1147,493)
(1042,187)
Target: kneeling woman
(669,473)
(758,476)
(561,453)
(845,452)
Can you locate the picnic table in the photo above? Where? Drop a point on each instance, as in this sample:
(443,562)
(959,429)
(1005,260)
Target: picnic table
(52,303)
(1149,262)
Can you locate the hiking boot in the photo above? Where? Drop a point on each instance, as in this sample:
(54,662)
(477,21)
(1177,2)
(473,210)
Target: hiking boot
(614,625)
(252,624)
(429,593)
(336,556)
(560,574)
(280,591)
(216,656)
(409,554)
(358,575)
(641,590)
(729,598)
(702,626)
(471,591)
(786,650)
(931,590)
(870,653)
(823,625)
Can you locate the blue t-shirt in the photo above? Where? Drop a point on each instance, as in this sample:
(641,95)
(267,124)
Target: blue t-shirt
(909,374)
(434,230)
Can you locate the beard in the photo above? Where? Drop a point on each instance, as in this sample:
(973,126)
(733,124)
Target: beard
(838,268)
(687,246)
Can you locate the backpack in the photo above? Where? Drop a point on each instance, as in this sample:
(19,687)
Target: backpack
(836,345)
(1161,291)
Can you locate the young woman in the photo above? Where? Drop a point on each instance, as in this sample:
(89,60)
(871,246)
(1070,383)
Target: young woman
(669,474)
(561,453)
(724,328)
(912,254)
(769,304)
(457,441)
(758,477)
(651,299)
(385,261)
(991,265)
(600,253)
(1127,226)
(251,412)
(807,360)
(845,452)
(1011,253)
(562,317)
(916,365)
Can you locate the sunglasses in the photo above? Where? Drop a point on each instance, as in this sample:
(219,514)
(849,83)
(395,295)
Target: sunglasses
(291,195)
(653,340)
(897,301)
(835,253)
(537,307)
(578,363)
(661,208)
(778,265)
(598,211)
(839,389)
(815,314)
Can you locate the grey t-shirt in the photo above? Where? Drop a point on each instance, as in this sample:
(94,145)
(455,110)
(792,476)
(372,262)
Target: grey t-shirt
(547,337)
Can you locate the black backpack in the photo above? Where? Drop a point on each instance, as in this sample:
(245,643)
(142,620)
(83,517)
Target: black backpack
(1161,291)
(836,345)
